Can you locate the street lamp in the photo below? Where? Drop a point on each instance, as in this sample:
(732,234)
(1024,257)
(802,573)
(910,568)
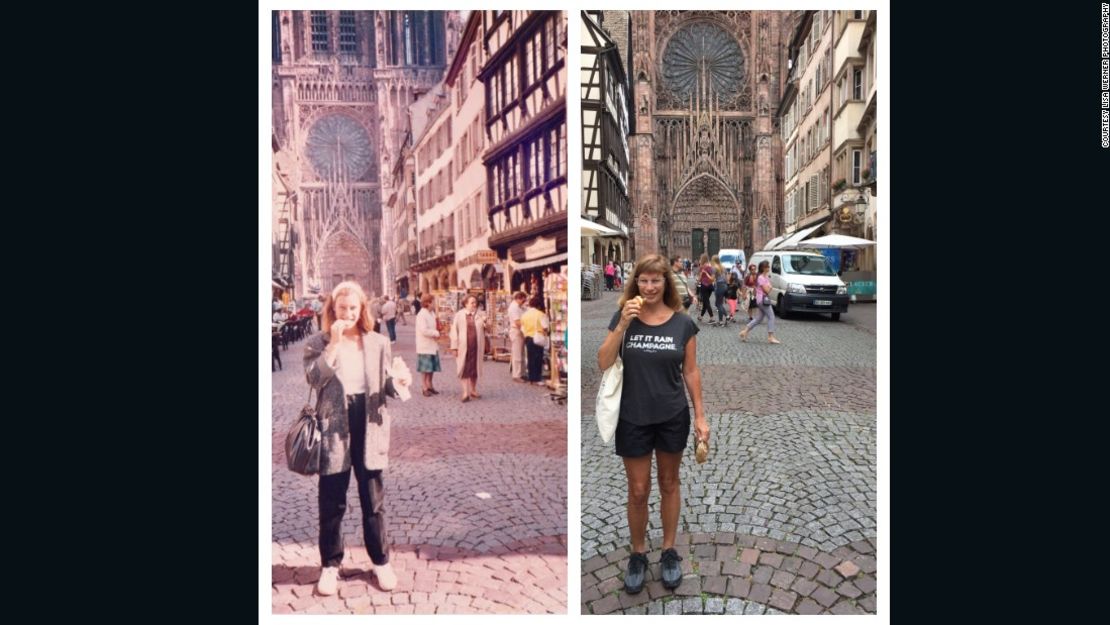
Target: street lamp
(854,211)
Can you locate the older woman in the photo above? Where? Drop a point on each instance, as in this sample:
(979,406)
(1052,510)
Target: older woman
(660,358)
(348,364)
(427,350)
(468,335)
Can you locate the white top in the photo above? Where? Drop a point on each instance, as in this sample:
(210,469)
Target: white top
(350,367)
(426,332)
(516,311)
(389,310)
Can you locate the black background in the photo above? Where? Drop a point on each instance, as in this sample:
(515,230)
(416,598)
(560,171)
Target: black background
(994,161)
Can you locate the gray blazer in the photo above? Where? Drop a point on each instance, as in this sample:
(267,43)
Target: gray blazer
(331,405)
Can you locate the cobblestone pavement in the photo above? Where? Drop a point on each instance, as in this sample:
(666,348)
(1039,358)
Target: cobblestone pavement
(782,518)
(475,502)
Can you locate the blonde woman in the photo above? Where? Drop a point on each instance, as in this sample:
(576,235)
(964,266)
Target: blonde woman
(468,335)
(348,364)
(720,289)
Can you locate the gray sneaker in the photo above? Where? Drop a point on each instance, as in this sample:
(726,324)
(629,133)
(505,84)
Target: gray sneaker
(670,572)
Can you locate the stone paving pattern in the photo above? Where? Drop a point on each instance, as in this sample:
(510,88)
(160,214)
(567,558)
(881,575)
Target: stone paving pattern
(782,518)
(454,552)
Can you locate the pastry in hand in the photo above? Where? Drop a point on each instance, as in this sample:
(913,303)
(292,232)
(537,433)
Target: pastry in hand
(701,452)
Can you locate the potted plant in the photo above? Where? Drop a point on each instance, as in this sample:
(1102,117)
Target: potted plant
(865,174)
(839,184)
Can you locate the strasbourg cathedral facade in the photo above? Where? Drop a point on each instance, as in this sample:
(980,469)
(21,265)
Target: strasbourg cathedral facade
(342,85)
(705,148)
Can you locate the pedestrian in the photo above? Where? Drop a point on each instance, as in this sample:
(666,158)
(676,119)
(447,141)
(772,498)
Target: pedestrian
(467,338)
(534,325)
(317,310)
(516,338)
(659,352)
(763,302)
(389,315)
(416,303)
(427,349)
(749,289)
(348,365)
(402,307)
(705,286)
(733,292)
(609,273)
(680,283)
(720,289)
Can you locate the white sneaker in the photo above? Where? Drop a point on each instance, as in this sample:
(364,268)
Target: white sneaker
(329,581)
(387,579)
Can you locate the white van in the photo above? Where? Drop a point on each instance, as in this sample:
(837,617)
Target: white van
(730,257)
(803,281)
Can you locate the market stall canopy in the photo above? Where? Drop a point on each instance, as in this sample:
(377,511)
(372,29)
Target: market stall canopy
(773,242)
(837,240)
(793,239)
(590,228)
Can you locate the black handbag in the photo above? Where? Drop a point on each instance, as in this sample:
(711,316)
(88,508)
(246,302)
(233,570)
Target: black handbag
(303,442)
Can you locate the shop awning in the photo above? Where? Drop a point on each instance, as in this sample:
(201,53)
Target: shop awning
(590,228)
(770,245)
(793,239)
(539,262)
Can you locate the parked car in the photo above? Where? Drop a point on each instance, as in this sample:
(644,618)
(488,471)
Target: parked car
(803,281)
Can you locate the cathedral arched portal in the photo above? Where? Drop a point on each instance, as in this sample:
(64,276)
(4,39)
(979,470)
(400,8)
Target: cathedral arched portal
(705,217)
(345,257)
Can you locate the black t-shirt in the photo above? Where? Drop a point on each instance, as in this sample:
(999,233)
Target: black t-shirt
(653,390)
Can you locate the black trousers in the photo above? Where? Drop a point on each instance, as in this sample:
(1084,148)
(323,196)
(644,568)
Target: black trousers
(704,292)
(333,497)
(535,360)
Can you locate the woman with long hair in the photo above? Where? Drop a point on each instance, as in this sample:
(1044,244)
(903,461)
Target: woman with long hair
(657,344)
(349,366)
(705,286)
(763,302)
(720,288)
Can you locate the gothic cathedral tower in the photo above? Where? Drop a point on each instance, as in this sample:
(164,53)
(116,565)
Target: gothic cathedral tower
(705,150)
(342,83)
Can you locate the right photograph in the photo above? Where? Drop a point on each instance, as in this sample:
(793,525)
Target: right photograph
(729,286)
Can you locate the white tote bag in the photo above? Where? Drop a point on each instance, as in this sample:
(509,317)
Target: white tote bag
(608,405)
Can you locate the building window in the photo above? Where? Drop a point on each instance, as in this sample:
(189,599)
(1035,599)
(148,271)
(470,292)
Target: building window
(857,83)
(348,41)
(319,31)
(407,38)
(857,15)
(275,48)
(857,164)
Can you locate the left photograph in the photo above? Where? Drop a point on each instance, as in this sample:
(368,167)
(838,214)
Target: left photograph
(418,312)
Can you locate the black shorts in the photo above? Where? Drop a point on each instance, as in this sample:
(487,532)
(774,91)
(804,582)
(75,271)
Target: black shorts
(633,441)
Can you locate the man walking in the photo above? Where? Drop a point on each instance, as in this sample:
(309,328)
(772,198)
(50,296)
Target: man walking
(389,314)
(680,283)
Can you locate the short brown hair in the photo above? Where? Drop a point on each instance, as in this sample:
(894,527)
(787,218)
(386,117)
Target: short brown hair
(426,299)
